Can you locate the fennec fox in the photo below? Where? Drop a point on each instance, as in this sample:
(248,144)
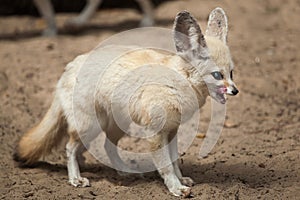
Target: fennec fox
(205,63)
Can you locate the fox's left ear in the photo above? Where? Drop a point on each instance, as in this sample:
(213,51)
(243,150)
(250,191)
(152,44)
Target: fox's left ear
(218,25)
(188,37)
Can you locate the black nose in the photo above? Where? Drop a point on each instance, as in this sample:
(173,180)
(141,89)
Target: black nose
(235,91)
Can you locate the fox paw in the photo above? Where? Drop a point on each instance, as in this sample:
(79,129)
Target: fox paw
(183,191)
(187,181)
(80,182)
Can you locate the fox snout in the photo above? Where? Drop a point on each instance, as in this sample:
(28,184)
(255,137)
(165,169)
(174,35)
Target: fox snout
(235,91)
(232,90)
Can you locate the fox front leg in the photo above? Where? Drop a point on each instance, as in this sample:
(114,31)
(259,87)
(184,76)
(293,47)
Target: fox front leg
(173,148)
(164,165)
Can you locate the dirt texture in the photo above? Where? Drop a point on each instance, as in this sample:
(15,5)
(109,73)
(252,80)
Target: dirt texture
(258,153)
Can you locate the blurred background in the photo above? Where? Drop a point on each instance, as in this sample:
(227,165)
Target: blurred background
(257,155)
(23,7)
(115,15)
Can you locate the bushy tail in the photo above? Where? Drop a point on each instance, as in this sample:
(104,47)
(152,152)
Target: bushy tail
(39,141)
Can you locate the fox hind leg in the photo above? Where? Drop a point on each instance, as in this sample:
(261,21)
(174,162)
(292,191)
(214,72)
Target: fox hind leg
(72,148)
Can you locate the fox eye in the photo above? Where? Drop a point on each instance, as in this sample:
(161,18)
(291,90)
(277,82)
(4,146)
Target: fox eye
(231,74)
(217,75)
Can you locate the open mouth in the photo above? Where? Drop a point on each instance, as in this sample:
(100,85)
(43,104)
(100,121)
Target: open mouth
(221,97)
(220,94)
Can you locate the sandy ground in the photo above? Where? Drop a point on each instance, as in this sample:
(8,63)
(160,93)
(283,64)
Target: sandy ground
(257,158)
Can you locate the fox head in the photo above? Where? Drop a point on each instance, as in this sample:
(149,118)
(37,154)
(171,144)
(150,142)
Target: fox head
(209,54)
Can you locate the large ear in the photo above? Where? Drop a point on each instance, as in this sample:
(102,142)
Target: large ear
(188,37)
(218,25)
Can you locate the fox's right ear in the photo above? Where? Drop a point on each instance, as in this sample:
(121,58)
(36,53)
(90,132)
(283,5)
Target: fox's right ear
(188,37)
(217,25)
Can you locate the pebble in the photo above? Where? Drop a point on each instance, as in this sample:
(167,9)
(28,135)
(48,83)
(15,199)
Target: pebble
(200,135)
(229,124)
(262,165)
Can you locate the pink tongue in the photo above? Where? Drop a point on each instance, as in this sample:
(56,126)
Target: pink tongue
(222,90)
